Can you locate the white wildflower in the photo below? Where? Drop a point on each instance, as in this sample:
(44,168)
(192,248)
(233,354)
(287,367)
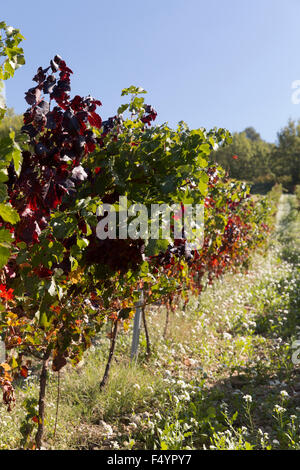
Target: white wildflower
(247,398)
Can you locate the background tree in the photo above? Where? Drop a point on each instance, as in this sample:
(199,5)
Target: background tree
(285,162)
(252,134)
(247,158)
(12,122)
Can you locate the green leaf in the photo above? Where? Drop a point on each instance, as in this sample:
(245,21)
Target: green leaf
(63,227)
(4,255)
(10,150)
(82,243)
(3,192)
(16,153)
(205,148)
(3,175)
(202,162)
(43,320)
(155,246)
(9,214)
(132,90)
(122,108)
(5,236)
(202,186)
(144,268)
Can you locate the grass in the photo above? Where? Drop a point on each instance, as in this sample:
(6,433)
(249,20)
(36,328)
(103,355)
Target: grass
(222,379)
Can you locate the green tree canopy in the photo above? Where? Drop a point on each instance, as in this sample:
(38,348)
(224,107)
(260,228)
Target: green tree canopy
(285,161)
(247,158)
(11,121)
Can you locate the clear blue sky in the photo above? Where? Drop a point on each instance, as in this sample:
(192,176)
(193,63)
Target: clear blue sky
(207,62)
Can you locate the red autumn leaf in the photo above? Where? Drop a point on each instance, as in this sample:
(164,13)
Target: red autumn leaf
(235,157)
(95,120)
(4,294)
(43,272)
(24,371)
(64,68)
(90,146)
